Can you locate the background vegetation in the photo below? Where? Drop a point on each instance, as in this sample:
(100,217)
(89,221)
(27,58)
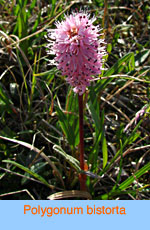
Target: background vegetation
(39,112)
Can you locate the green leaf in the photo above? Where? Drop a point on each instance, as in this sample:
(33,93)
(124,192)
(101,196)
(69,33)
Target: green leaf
(141,57)
(71,160)
(93,157)
(115,69)
(109,47)
(36,168)
(5,102)
(32,5)
(128,140)
(119,65)
(95,116)
(70,131)
(132,63)
(38,177)
(137,175)
(104,150)
(72,115)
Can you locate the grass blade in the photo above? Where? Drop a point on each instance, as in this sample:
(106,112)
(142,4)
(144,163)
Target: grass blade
(35,175)
(138,174)
(71,160)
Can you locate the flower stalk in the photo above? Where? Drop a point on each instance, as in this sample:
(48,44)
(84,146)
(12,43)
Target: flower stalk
(81,132)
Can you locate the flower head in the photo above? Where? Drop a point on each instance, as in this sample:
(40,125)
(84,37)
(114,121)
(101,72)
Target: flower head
(78,49)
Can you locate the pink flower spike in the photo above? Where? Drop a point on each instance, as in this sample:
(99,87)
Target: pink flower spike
(78,49)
